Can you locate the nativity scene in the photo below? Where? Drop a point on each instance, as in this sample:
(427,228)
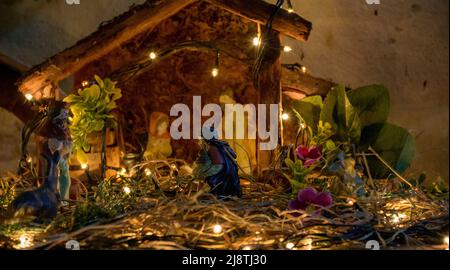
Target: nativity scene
(104,146)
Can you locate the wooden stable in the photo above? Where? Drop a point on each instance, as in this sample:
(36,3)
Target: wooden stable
(120,48)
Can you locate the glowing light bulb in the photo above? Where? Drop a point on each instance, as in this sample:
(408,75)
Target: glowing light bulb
(29,97)
(285,116)
(287,49)
(446,241)
(148,172)
(302,125)
(174,167)
(84,166)
(290,245)
(247,248)
(256,41)
(395,219)
(217,229)
(215,72)
(122,171)
(304,69)
(350,202)
(127,190)
(85,84)
(290,10)
(29,159)
(26,241)
(152,55)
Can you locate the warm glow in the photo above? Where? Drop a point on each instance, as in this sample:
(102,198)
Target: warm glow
(215,72)
(123,171)
(256,41)
(304,69)
(26,241)
(29,97)
(287,49)
(152,55)
(29,159)
(84,166)
(290,10)
(395,219)
(85,84)
(247,248)
(350,202)
(217,229)
(174,167)
(127,190)
(148,172)
(446,241)
(285,116)
(290,245)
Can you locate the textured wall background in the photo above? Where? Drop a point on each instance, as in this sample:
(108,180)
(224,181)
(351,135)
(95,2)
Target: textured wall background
(402,44)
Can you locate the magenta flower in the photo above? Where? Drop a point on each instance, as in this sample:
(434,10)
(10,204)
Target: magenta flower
(308,198)
(309,155)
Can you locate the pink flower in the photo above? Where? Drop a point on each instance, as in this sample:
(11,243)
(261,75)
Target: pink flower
(308,198)
(307,195)
(309,155)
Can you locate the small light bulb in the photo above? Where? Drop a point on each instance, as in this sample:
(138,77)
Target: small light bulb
(127,190)
(287,49)
(302,125)
(29,97)
(217,229)
(215,72)
(123,171)
(148,172)
(285,116)
(29,159)
(26,241)
(256,41)
(446,241)
(350,202)
(304,69)
(152,55)
(85,84)
(290,10)
(290,245)
(395,219)
(84,166)
(174,167)
(247,248)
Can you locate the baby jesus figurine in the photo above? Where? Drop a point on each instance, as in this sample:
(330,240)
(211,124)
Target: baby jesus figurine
(217,165)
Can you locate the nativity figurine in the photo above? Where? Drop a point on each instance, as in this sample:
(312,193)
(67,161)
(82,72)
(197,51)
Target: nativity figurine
(216,163)
(159,140)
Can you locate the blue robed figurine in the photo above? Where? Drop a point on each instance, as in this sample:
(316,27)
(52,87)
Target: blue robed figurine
(216,163)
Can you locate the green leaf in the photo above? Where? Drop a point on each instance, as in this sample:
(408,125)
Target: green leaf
(72,99)
(394,144)
(91,93)
(339,112)
(309,109)
(99,81)
(372,104)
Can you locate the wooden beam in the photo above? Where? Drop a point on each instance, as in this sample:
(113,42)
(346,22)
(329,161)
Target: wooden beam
(106,39)
(270,93)
(293,79)
(289,24)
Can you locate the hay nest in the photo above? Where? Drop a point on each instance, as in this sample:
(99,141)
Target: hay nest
(190,218)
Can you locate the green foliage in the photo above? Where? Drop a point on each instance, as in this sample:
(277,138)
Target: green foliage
(7,193)
(91,109)
(299,173)
(371,103)
(309,108)
(356,118)
(394,144)
(339,112)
